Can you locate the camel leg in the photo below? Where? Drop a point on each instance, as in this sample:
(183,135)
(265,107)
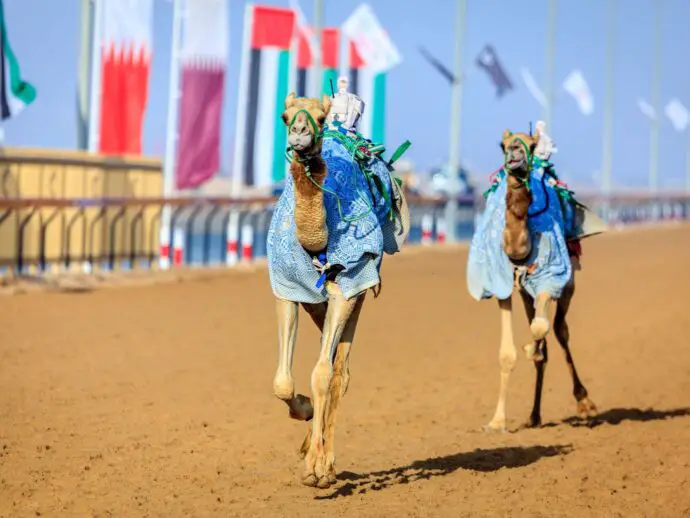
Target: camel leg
(339,384)
(585,406)
(337,315)
(538,352)
(283,382)
(317,312)
(507,356)
(540,322)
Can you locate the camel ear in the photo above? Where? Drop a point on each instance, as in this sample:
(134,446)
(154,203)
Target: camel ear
(535,142)
(290,100)
(326,101)
(507,134)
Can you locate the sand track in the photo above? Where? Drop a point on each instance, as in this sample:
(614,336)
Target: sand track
(157,400)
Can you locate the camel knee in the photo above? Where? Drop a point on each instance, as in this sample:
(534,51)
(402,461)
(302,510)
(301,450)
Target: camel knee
(507,360)
(283,387)
(321,378)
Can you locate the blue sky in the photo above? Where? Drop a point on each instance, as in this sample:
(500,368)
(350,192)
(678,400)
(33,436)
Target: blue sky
(45,37)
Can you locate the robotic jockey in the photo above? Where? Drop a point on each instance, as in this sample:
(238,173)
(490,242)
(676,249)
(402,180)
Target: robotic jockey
(346,108)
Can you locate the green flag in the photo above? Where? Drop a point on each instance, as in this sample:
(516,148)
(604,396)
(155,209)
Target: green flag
(15,94)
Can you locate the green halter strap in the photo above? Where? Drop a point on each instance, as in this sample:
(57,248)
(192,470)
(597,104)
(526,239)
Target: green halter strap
(310,119)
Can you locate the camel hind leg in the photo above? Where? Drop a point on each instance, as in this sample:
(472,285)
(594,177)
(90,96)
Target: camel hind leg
(585,406)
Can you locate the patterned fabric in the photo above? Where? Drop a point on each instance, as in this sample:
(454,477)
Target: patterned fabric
(357,247)
(490,272)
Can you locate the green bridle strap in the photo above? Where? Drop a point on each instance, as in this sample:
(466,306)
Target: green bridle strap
(312,122)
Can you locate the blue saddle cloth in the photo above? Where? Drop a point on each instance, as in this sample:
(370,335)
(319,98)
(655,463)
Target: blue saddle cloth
(357,247)
(551,222)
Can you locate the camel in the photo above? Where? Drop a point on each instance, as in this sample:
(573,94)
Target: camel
(326,260)
(528,238)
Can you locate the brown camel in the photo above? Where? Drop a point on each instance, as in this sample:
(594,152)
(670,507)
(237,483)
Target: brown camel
(336,318)
(518,149)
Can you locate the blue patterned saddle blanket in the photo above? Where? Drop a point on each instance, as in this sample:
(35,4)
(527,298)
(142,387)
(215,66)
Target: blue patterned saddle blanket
(361,229)
(554,218)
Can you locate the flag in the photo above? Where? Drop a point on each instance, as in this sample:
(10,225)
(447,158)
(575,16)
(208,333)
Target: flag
(488,60)
(370,54)
(264,79)
(302,53)
(646,109)
(15,94)
(440,67)
(330,49)
(125,66)
(372,42)
(204,56)
(533,88)
(677,114)
(576,86)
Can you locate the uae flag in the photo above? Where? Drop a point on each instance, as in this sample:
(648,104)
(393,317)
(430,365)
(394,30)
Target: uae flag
(261,136)
(15,94)
(204,56)
(304,65)
(330,49)
(370,85)
(125,64)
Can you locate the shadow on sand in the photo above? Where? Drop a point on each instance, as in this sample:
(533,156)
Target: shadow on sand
(616,416)
(477,460)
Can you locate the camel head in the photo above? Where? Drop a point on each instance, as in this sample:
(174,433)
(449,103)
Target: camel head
(304,118)
(518,149)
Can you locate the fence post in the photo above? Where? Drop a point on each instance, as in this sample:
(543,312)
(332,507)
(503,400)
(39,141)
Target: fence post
(164,254)
(247,241)
(178,247)
(427,227)
(233,234)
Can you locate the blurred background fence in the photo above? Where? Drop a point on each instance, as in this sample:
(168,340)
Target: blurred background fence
(78,212)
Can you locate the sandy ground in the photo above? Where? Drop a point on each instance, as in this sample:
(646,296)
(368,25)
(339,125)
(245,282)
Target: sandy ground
(157,400)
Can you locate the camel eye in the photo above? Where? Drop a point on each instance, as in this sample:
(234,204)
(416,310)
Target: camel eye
(284,117)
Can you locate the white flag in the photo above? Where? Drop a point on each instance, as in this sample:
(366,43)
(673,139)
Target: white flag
(576,86)
(646,109)
(371,40)
(677,114)
(531,85)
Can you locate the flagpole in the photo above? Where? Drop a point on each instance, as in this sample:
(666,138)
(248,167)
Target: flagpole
(455,126)
(171,125)
(95,80)
(85,50)
(607,155)
(318,58)
(656,102)
(550,62)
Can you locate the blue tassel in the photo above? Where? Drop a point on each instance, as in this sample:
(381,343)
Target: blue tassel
(322,278)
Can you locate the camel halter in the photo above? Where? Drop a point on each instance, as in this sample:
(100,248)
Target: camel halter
(528,158)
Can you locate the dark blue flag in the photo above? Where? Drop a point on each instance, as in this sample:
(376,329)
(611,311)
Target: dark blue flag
(440,67)
(488,61)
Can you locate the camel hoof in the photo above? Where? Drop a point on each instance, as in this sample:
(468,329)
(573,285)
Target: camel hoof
(324,483)
(492,428)
(539,328)
(300,408)
(332,479)
(532,353)
(586,408)
(309,480)
(533,422)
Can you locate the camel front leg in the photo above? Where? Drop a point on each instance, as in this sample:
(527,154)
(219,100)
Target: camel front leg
(507,356)
(339,384)
(283,382)
(539,353)
(337,316)
(540,323)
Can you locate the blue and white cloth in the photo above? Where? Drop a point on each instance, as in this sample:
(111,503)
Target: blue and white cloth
(490,272)
(357,247)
